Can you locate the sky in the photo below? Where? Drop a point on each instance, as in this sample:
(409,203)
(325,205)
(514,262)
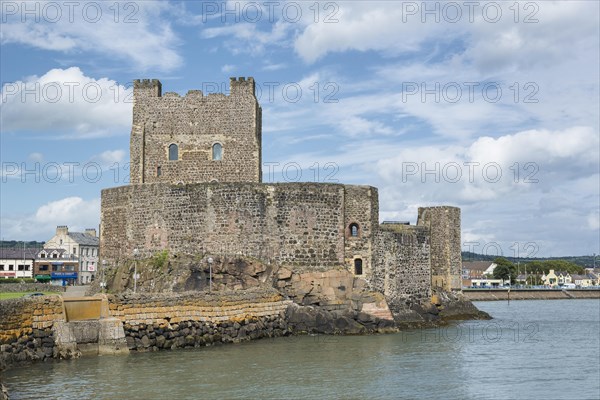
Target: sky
(489,106)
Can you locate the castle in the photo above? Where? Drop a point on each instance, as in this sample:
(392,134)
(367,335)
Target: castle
(196,188)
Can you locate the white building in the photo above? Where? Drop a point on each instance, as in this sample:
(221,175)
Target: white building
(17,263)
(80,246)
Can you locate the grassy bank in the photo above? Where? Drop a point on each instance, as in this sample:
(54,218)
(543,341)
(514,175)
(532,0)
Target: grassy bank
(6,296)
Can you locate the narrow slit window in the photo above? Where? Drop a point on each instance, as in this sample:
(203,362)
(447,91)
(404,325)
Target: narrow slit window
(173,152)
(358,267)
(217,152)
(158,171)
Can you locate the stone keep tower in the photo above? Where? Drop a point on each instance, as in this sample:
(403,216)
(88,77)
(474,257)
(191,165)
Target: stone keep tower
(445,256)
(195,138)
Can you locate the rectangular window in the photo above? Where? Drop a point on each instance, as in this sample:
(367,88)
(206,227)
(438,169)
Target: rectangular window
(20,267)
(1,267)
(158,171)
(11,267)
(43,268)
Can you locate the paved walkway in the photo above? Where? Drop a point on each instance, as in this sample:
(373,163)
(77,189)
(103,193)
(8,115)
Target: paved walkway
(75,291)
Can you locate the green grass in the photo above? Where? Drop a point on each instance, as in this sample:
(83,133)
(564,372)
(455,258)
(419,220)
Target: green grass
(6,296)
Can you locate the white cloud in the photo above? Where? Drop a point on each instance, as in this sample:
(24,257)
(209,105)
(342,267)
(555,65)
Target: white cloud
(227,68)
(364,26)
(136,32)
(66,103)
(593,221)
(248,38)
(110,157)
(36,157)
(75,212)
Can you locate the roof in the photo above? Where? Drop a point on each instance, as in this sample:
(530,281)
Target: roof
(477,265)
(17,253)
(563,273)
(580,277)
(84,239)
(51,250)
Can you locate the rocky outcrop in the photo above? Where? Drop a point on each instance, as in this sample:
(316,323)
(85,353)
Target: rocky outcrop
(311,319)
(3,392)
(454,306)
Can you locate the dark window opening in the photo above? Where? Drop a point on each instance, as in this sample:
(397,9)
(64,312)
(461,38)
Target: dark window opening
(217,152)
(358,267)
(158,171)
(354,230)
(173,152)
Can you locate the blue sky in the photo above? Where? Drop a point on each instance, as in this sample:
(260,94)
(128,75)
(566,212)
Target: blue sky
(489,106)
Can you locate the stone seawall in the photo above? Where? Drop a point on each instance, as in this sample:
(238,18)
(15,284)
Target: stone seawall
(530,294)
(26,328)
(196,319)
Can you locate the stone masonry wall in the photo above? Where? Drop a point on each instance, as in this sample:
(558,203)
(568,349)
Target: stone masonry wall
(299,225)
(361,207)
(26,328)
(446,258)
(401,265)
(195,123)
(197,319)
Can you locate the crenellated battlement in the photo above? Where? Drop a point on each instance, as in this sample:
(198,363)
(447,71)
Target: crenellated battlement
(241,85)
(147,88)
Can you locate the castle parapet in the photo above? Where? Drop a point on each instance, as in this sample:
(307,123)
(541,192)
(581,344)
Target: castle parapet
(146,88)
(242,85)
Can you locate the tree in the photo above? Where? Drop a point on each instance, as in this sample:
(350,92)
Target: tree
(504,269)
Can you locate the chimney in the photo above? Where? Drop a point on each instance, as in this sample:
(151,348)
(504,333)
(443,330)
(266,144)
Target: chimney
(62,230)
(91,232)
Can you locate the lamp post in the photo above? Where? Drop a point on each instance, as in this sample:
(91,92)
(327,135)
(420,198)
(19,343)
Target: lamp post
(136,253)
(210,262)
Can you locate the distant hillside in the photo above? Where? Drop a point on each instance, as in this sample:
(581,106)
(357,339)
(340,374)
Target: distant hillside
(11,244)
(584,261)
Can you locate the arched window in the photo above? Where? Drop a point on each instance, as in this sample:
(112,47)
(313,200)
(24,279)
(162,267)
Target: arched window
(217,152)
(173,152)
(358,266)
(354,229)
